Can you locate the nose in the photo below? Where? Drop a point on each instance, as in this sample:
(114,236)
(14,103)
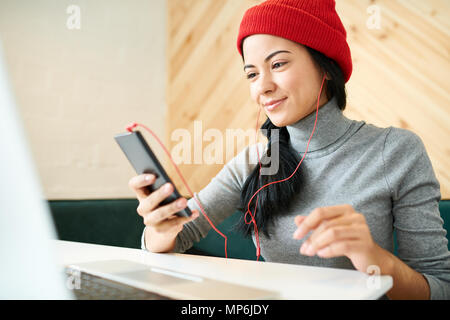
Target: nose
(265,84)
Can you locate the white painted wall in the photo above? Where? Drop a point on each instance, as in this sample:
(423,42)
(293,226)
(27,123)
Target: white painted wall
(77,88)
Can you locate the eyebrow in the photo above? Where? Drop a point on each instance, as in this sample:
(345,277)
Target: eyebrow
(270,56)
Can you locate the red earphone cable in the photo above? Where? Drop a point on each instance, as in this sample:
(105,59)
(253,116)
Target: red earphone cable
(134,125)
(258,248)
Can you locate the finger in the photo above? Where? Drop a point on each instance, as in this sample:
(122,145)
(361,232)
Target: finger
(318,215)
(165,212)
(341,248)
(330,236)
(298,220)
(152,202)
(346,219)
(140,183)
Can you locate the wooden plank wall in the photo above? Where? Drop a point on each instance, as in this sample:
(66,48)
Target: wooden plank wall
(400,75)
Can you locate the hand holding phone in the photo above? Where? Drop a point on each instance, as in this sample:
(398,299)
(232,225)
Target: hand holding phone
(162,223)
(144,161)
(163,216)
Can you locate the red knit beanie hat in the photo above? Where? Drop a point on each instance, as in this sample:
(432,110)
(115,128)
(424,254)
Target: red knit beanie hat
(313,23)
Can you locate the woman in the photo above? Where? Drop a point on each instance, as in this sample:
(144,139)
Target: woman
(356,183)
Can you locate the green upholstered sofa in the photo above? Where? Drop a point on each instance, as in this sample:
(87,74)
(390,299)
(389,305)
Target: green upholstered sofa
(116,223)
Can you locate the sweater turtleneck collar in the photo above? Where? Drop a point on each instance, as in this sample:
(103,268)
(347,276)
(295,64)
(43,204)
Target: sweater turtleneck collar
(331,125)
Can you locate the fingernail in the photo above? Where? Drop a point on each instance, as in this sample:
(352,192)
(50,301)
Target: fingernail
(303,248)
(309,250)
(149,177)
(167,187)
(321,252)
(299,233)
(298,220)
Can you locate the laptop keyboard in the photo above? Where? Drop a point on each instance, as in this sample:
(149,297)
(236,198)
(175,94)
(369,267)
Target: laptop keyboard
(89,287)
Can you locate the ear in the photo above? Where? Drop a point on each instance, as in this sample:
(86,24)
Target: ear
(325,75)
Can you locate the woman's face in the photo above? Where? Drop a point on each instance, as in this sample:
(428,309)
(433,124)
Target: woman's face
(284,80)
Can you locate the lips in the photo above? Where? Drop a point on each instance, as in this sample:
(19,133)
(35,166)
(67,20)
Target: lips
(273,104)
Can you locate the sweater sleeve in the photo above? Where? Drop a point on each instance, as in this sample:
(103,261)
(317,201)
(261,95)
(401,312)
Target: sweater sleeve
(415,194)
(219,199)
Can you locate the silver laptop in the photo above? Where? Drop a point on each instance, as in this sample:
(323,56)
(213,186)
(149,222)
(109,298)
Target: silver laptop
(130,280)
(29,268)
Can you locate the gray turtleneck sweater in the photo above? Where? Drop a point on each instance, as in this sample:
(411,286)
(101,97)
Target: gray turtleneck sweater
(384,174)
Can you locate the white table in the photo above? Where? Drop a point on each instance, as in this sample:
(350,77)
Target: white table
(290,281)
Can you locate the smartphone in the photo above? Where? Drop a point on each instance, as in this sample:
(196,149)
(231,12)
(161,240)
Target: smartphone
(144,160)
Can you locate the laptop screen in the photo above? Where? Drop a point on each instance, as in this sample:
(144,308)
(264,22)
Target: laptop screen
(28,269)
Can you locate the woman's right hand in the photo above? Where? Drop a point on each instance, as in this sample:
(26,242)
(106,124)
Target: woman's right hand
(162,225)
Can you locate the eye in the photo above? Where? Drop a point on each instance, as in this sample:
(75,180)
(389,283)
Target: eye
(251,75)
(278,64)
